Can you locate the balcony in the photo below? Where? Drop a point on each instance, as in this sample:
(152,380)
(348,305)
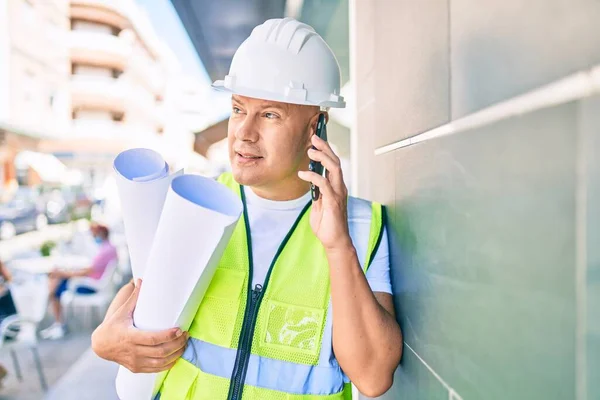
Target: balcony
(88,136)
(97,137)
(146,109)
(116,135)
(97,129)
(98,93)
(119,96)
(148,73)
(100,49)
(109,12)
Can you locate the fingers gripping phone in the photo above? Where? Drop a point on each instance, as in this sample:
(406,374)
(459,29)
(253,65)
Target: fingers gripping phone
(316,166)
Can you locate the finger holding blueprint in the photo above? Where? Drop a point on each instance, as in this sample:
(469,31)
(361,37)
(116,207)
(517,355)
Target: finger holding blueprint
(195,223)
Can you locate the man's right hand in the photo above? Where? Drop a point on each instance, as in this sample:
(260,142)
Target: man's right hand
(116,339)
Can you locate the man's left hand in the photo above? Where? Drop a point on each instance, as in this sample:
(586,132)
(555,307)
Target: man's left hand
(329,214)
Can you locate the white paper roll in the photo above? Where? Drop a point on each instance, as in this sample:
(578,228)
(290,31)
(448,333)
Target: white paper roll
(197,221)
(142,182)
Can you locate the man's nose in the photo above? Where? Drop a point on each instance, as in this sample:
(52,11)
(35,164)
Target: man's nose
(247,131)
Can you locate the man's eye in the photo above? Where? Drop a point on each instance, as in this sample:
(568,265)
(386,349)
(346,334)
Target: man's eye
(271,115)
(236,110)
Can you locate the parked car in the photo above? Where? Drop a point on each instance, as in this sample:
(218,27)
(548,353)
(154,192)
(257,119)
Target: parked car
(57,207)
(23,213)
(65,203)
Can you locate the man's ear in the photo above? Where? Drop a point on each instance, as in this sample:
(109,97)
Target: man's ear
(315,119)
(313,124)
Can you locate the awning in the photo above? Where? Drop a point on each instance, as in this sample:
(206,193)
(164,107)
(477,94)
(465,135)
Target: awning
(22,131)
(209,136)
(49,168)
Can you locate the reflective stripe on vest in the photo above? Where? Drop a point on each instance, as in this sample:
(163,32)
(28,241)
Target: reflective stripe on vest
(274,351)
(290,377)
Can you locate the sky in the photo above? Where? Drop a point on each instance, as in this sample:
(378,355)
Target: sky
(166,22)
(169,28)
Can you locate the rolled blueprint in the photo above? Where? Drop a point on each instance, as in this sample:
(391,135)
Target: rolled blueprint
(143,180)
(197,221)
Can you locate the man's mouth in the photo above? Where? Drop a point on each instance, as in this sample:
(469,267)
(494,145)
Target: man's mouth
(247,156)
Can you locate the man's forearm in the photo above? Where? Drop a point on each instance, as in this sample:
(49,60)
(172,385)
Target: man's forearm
(366,338)
(78,273)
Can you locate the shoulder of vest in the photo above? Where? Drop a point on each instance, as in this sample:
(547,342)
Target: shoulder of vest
(359,209)
(372,214)
(227,179)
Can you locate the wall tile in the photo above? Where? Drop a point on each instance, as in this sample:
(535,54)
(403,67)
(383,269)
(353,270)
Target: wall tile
(500,49)
(590,160)
(413,381)
(412,67)
(365,38)
(365,133)
(484,284)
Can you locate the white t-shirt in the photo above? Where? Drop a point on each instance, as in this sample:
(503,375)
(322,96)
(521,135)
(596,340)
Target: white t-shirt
(271,220)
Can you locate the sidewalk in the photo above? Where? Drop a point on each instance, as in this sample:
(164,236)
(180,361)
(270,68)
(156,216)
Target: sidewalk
(90,378)
(57,358)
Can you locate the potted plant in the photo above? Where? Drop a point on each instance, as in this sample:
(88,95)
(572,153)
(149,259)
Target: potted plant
(47,247)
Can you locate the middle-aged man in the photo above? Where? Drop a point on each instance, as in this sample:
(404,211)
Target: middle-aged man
(300,304)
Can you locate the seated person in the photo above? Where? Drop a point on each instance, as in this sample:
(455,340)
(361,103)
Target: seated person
(59,279)
(7,305)
(7,308)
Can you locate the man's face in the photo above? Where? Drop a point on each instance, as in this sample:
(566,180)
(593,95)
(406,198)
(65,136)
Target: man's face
(268,140)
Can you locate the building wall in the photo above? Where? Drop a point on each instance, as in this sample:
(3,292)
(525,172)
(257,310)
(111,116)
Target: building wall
(34,72)
(38,64)
(492,183)
(4,65)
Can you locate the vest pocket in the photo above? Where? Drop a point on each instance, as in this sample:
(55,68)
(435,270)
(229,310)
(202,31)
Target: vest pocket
(216,317)
(293,329)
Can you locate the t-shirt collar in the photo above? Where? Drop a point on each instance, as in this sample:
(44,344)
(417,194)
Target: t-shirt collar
(255,200)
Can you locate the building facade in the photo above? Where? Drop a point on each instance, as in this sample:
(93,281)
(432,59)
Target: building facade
(34,76)
(118,72)
(87,79)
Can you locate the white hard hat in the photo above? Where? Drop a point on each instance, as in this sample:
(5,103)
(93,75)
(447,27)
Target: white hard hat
(285,60)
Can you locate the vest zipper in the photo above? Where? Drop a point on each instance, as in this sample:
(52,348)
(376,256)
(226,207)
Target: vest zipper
(244,349)
(254,298)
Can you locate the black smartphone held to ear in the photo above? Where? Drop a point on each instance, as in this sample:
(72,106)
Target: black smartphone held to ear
(315,166)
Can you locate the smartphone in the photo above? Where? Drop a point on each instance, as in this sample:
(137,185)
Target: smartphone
(315,166)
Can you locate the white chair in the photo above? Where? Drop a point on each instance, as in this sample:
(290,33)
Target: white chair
(123,274)
(31,300)
(94,302)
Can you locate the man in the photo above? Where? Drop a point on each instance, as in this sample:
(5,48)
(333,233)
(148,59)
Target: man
(58,281)
(290,313)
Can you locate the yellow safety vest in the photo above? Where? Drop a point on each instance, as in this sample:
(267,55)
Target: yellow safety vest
(265,342)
